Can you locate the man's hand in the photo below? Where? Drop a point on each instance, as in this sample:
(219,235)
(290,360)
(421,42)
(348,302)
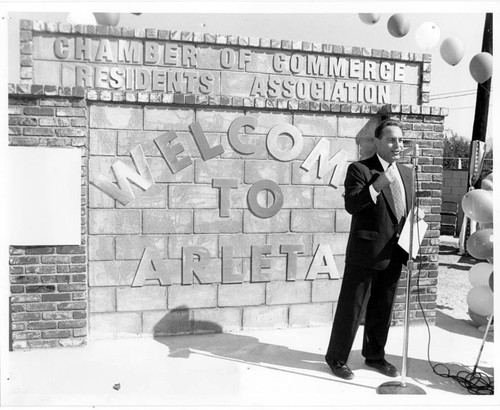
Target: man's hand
(385,178)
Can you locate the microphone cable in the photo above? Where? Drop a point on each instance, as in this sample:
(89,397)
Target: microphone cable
(474,381)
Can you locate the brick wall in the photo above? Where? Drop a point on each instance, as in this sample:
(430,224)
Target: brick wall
(427,129)
(49,283)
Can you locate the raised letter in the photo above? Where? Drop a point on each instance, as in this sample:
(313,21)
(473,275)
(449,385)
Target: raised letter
(151,52)
(232,134)
(225,186)
(189,56)
(259,263)
(116,77)
(318,154)
(273,146)
(399,72)
(337,67)
(170,152)
(142,79)
(206,83)
(206,151)
(291,252)
(61,47)
(258,87)
(83,76)
(245,57)
(227,58)
(123,191)
(323,254)
(279,62)
(385,71)
(383,94)
(253,205)
(83,48)
(315,65)
(151,267)
(129,52)
(191,267)
(104,52)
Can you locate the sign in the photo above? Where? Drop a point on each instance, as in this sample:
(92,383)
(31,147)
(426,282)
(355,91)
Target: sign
(190,68)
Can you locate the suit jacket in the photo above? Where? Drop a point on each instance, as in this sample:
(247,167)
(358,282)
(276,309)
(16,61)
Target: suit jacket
(374,228)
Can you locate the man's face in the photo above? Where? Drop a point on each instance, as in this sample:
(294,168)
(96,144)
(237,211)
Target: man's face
(390,144)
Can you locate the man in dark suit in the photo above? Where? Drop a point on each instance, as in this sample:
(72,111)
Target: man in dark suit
(378,196)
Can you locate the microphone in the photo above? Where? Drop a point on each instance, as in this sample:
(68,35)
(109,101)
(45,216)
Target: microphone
(406,151)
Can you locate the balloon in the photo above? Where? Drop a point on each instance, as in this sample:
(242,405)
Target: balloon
(481,67)
(480,300)
(369,18)
(487,185)
(478,320)
(487,182)
(478,205)
(427,35)
(107,19)
(81,18)
(452,50)
(490,282)
(480,244)
(479,274)
(398,25)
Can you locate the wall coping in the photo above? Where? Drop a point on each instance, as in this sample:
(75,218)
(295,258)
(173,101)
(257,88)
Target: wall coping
(218,39)
(37,90)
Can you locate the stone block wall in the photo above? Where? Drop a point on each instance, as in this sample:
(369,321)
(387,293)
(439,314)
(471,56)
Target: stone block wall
(182,209)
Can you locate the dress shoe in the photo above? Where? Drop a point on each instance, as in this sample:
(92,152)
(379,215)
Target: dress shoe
(383,366)
(340,369)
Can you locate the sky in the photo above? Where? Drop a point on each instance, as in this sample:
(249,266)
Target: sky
(321,22)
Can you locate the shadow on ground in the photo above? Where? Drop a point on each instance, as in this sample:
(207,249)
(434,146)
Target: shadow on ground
(429,375)
(448,258)
(251,351)
(460,326)
(237,348)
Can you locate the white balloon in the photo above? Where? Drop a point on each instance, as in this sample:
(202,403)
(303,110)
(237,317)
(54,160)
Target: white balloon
(480,300)
(427,35)
(369,18)
(479,274)
(452,50)
(81,18)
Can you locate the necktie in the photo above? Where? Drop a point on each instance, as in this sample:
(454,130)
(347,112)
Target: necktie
(399,199)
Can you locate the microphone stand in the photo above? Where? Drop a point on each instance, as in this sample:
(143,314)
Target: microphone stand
(403,387)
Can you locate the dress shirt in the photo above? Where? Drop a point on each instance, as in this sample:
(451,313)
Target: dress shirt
(374,194)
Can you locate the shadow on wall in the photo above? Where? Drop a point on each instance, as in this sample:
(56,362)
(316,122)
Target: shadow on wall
(364,139)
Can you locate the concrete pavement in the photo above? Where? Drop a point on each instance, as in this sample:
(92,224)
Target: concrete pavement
(280,367)
(253,368)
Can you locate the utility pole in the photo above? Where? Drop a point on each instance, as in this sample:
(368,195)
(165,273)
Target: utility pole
(477,146)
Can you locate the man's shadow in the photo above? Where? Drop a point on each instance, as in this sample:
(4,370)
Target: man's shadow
(181,334)
(234,347)
(227,345)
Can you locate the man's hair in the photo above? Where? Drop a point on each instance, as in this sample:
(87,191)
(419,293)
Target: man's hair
(384,124)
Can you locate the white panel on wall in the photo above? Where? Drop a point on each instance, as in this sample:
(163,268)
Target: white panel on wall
(44,197)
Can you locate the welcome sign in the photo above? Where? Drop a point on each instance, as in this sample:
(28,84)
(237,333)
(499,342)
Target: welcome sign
(212,168)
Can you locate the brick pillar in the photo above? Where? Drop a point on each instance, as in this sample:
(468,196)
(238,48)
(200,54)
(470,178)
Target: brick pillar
(48,300)
(423,125)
